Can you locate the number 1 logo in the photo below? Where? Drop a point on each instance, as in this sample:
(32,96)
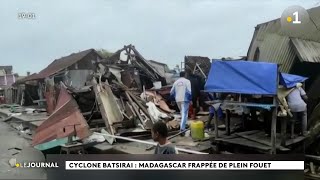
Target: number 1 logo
(296,18)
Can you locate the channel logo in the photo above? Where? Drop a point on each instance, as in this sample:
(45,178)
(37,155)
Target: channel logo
(37,165)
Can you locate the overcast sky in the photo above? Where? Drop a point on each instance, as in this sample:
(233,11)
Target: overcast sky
(162,30)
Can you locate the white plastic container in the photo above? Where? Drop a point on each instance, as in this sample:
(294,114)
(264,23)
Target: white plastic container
(157,85)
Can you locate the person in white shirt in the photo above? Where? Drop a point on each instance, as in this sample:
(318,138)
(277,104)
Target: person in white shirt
(181,91)
(297,104)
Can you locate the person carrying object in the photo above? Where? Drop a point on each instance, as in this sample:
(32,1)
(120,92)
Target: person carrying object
(159,133)
(297,101)
(181,92)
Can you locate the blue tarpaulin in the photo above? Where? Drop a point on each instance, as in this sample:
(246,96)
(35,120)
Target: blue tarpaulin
(290,80)
(243,77)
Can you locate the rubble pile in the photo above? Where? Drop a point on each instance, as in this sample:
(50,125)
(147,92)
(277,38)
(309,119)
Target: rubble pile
(86,100)
(118,96)
(124,101)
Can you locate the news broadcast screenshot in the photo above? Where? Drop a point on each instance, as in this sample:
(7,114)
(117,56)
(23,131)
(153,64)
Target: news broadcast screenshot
(160,89)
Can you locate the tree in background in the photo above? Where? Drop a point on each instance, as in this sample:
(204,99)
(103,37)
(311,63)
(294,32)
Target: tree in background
(104,53)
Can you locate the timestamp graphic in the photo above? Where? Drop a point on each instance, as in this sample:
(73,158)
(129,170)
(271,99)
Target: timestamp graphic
(26,15)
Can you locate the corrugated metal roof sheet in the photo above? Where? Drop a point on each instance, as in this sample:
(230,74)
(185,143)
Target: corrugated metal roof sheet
(310,31)
(308,51)
(62,63)
(275,46)
(65,120)
(282,53)
(58,65)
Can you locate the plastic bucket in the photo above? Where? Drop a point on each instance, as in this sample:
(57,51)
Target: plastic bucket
(157,85)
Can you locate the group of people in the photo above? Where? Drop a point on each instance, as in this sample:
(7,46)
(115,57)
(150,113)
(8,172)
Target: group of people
(186,91)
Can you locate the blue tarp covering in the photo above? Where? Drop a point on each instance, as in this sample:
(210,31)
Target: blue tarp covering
(290,80)
(244,77)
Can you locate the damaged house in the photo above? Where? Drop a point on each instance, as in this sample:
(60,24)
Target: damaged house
(91,100)
(85,94)
(163,69)
(293,52)
(137,71)
(296,53)
(199,65)
(72,70)
(7,78)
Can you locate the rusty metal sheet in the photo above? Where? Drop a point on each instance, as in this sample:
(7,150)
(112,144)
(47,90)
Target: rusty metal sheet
(63,121)
(50,99)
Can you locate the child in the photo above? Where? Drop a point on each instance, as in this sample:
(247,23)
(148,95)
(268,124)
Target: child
(159,134)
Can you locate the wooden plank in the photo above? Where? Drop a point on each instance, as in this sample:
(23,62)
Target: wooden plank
(273,131)
(245,143)
(103,110)
(135,110)
(227,122)
(236,103)
(216,131)
(131,109)
(142,107)
(283,131)
(274,120)
(262,142)
(249,132)
(295,140)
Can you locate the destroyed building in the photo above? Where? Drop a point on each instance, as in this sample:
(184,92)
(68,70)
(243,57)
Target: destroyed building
(84,94)
(137,71)
(73,70)
(199,65)
(164,70)
(293,52)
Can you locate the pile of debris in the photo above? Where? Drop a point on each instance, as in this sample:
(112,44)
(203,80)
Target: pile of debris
(120,96)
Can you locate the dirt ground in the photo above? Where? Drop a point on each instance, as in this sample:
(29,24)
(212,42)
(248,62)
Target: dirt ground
(9,138)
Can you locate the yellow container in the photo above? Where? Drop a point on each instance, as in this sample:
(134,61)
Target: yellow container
(197,130)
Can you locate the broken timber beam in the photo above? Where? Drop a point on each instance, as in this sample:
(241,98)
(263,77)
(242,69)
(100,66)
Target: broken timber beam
(142,107)
(108,106)
(134,109)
